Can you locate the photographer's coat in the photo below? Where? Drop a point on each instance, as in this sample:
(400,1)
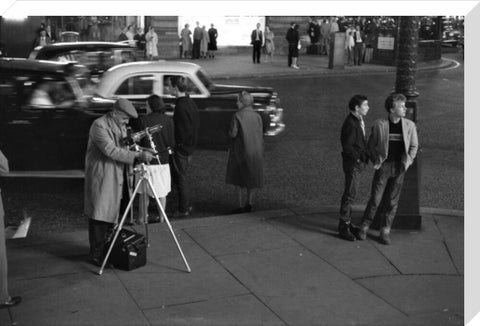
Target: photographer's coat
(105,162)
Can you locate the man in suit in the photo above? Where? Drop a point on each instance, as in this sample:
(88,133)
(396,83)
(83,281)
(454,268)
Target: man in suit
(354,157)
(257,41)
(392,146)
(359,39)
(42,39)
(197,39)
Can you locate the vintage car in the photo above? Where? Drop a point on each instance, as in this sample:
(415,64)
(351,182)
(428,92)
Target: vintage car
(46,112)
(48,107)
(216,103)
(97,56)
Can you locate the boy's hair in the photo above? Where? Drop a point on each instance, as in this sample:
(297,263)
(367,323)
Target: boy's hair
(356,100)
(156,103)
(393,98)
(245,98)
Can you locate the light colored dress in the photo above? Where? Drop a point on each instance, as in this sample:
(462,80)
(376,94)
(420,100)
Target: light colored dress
(245,158)
(151,46)
(186,39)
(269,43)
(204,42)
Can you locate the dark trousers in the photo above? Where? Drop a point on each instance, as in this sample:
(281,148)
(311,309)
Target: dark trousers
(257,46)
(358,54)
(196,49)
(352,172)
(180,167)
(387,183)
(98,231)
(292,48)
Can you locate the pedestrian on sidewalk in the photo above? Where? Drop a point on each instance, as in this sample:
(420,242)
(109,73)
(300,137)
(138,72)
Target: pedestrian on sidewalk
(293,39)
(212,44)
(245,157)
(186,124)
(393,145)
(256,41)
(6,301)
(359,38)
(158,170)
(354,159)
(349,44)
(204,43)
(108,163)
(197,39)
(151,39)
(269,44)
(186,41)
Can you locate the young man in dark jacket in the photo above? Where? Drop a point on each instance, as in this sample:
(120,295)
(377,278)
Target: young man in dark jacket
(186,121)
(354,156)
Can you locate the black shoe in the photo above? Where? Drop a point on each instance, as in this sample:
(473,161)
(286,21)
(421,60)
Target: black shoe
(384,237)
(248,208)
(12,302)
(180,214)
(344,231)
(153,219)
(359,232)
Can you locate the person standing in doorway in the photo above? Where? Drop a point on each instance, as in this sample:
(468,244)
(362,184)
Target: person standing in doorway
(392,145)
(354,159)
(257,41)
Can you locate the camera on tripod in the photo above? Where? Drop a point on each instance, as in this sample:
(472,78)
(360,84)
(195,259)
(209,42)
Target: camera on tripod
(133,138)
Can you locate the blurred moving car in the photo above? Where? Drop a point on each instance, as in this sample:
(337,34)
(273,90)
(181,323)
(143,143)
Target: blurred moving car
(48,107)
(451,36)
(97,56)
(136,81)
(46,112)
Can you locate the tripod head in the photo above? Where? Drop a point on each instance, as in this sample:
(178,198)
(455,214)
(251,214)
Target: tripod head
(135,137)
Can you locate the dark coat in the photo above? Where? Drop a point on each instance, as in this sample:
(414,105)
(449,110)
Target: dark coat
(245,159)
(292,36)
(164,139)
(354,142)
(253,36)
(187,124)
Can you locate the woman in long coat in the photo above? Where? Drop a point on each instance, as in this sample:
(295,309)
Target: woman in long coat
(204,43)
(151,46)
(186,41)
(269,43)
(245,159)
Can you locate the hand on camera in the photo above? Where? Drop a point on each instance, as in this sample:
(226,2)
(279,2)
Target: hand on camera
(145,156)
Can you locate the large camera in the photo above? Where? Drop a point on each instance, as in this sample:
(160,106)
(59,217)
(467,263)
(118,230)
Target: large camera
(133,138)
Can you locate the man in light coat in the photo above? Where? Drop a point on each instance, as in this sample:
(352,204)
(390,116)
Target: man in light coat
(106,163)
(392,145)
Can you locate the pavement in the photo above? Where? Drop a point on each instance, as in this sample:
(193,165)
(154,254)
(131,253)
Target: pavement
(277,267)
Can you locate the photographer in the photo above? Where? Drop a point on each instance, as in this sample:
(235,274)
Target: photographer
(107,163)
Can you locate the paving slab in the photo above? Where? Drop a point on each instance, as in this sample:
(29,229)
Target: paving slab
(164,280)
(303,289)
(79,299)
(419,294)
(238,310)
(229,238)
(452,229)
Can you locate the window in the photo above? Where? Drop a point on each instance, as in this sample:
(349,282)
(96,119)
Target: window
(192,89)
(137,85)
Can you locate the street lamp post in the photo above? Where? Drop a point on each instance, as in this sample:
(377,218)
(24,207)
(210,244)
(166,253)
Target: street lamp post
(408,213)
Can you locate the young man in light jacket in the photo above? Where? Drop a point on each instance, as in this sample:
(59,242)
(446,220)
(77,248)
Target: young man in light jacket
(392,145)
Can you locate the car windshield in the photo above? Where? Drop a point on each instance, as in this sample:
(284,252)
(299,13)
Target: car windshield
(204,79)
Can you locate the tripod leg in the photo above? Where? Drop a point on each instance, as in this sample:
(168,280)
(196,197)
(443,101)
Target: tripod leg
(119,226)
(169,225)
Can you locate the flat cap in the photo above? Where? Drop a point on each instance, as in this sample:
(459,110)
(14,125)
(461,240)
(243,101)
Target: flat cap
(126,106)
